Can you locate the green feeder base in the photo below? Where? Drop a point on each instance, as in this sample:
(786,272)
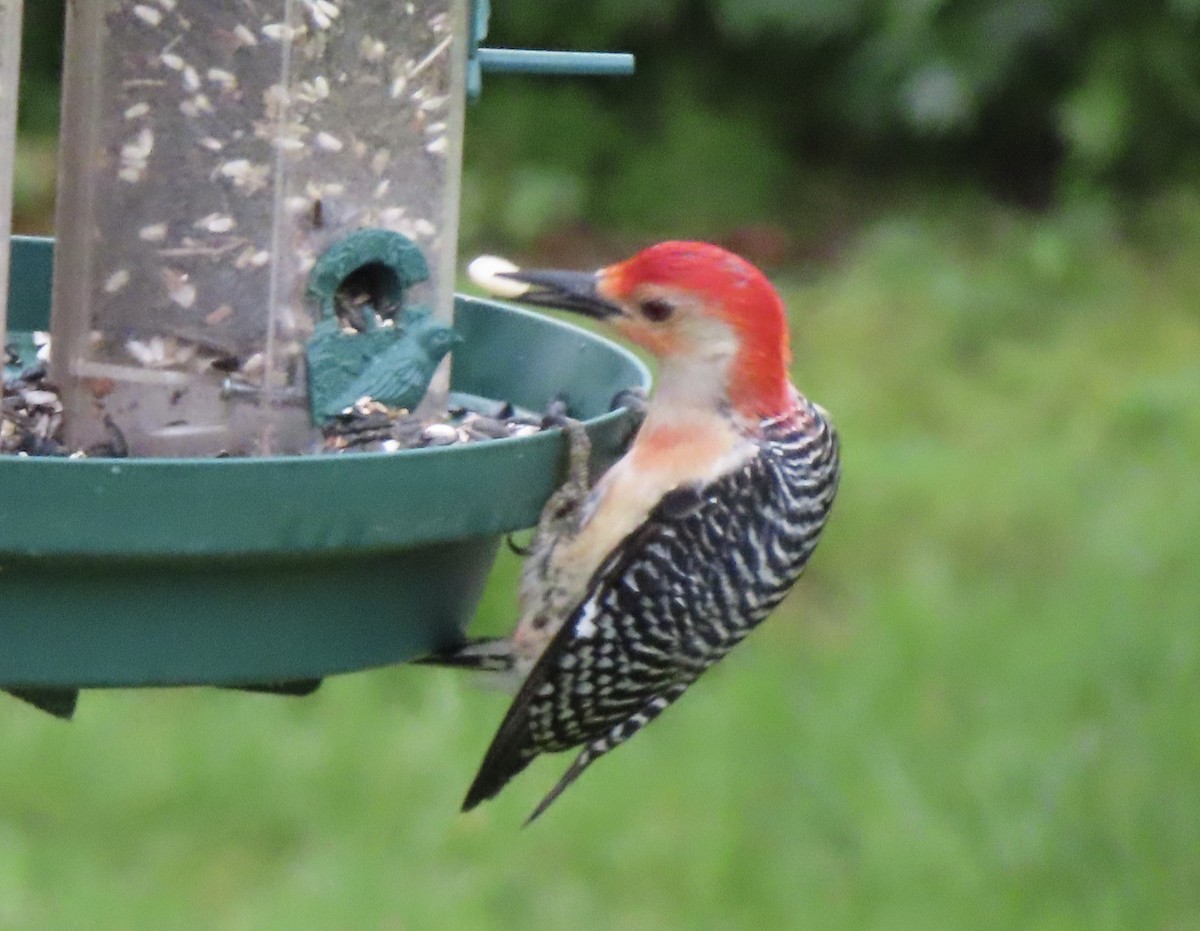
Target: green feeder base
(156,572)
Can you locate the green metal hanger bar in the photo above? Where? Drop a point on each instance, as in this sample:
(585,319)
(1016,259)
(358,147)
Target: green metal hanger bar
(536,61)
(533,61)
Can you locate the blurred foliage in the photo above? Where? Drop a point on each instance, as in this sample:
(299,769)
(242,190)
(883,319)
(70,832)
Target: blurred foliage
(1110,89)
(736,102)
(41,61)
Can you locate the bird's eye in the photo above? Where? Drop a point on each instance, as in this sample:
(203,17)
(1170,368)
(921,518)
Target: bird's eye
(656,310)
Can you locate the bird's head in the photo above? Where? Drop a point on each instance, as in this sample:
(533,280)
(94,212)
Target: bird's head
(712,319)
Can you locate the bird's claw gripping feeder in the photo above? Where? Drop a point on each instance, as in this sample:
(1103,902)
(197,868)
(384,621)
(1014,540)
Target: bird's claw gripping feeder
(256,227)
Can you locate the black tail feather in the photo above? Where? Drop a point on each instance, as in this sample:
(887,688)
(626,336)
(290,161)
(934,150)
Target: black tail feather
(573,772)
(499,766)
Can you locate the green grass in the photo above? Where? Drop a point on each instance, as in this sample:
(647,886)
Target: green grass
(979,710)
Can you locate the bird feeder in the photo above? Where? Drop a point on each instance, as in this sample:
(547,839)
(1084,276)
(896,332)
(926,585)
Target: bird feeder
(10,63)
(257,223)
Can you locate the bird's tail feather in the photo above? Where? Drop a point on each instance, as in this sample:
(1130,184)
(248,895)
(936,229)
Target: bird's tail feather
(615,737)
(573,772)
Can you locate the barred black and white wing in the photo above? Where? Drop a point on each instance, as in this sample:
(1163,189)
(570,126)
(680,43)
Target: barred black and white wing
(671,600)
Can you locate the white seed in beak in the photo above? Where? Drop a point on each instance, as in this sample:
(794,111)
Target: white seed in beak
(486,271)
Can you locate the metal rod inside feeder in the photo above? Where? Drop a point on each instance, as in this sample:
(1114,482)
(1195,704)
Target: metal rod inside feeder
(10,66)
(212,153)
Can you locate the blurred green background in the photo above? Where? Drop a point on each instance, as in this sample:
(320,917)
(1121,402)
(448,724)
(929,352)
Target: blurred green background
(979,709)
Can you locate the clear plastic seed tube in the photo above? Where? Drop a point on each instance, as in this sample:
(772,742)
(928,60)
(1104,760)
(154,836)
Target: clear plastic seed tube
(211,153)
(10,66)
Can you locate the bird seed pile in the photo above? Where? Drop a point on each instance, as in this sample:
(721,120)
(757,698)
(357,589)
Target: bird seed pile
(31,420)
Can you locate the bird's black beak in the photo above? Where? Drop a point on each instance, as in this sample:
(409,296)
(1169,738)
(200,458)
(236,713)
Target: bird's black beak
(573,291)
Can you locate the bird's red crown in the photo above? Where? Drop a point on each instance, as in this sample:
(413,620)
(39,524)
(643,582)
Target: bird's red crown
(734,291)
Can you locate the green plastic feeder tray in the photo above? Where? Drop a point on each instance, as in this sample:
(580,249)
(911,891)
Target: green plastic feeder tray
(162,572)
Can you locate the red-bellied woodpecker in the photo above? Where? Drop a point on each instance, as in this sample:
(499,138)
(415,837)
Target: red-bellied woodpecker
(690,539)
